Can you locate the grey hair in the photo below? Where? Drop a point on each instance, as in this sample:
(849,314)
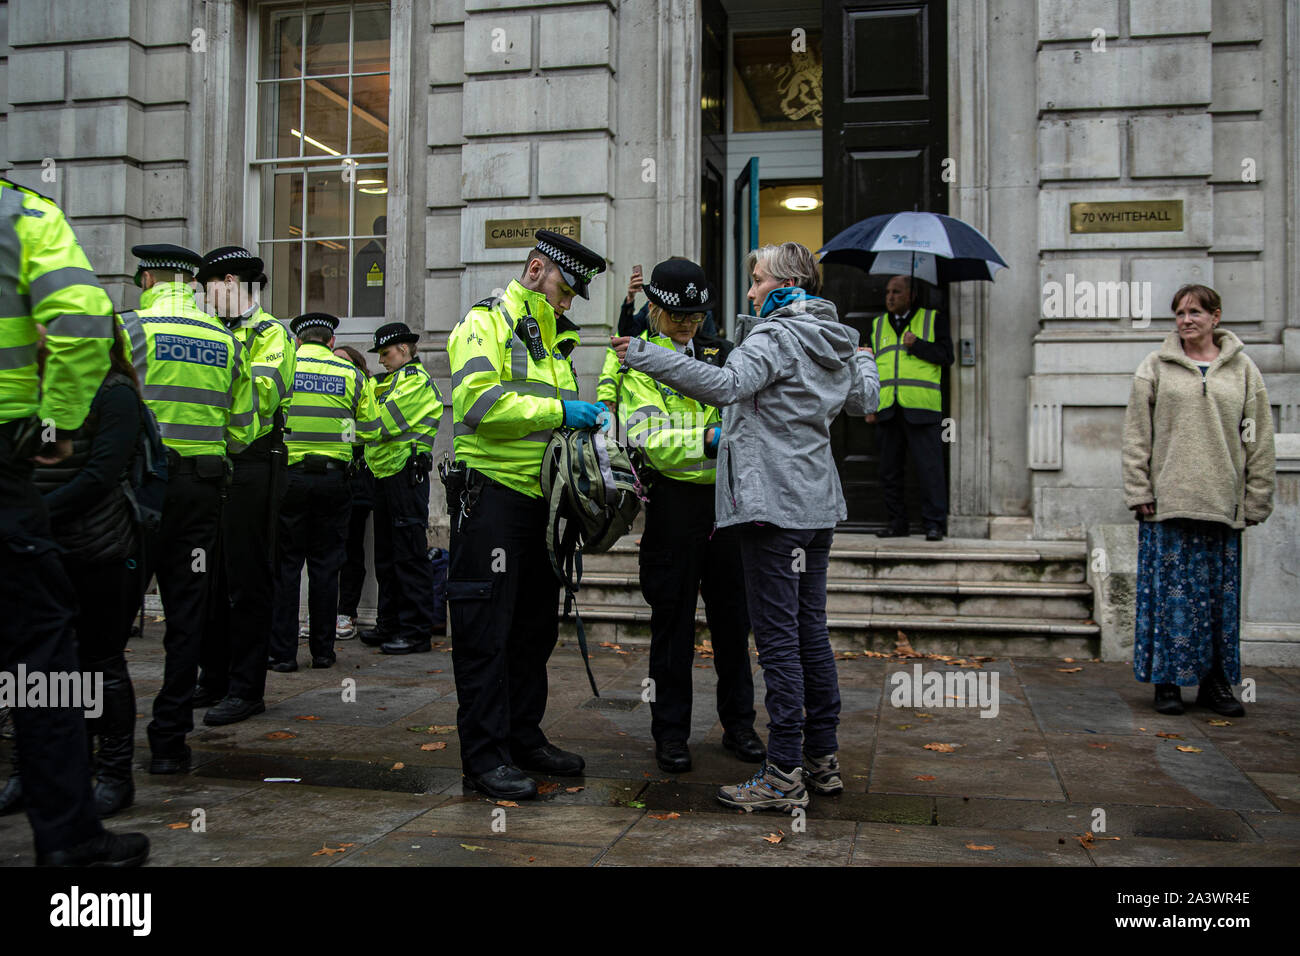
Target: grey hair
(791,262)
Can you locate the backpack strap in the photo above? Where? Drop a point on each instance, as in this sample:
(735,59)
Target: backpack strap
(562,547)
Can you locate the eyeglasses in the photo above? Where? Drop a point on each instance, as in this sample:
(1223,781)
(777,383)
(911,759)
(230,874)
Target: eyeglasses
(694,319)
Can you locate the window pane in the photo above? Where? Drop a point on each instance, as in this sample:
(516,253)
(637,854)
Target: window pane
(277,117)
(327,277)
(284,267)
(281,44)
(371,202)
(370,114)
(286,207)
(370,39)
(327,41)
(368,277)
(774,88)
(327,203)
(326,118)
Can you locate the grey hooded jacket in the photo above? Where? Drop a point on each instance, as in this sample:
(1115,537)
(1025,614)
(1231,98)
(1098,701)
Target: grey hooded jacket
(779,392)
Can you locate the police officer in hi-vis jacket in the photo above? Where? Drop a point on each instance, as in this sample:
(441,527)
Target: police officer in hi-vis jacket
(512,384)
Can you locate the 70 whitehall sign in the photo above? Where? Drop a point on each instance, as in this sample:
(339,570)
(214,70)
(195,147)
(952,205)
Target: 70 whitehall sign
(1150,215)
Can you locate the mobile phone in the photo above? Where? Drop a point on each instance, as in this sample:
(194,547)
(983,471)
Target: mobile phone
(636,270)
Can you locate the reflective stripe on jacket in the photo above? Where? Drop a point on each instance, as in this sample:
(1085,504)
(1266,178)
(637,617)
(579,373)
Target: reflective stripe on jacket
(326,399)
(193,373)
(506,403)
(910,381)
(46,279)
(666,425)
(270,353)
(399,417)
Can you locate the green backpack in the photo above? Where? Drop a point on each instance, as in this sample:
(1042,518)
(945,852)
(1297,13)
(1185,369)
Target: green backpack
(594,493)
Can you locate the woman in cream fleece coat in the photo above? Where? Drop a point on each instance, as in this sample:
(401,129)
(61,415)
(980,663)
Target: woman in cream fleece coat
(1198,467)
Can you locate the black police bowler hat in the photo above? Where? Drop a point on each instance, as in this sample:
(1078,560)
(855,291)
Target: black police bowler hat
(678,285)
(309,320)
(233,261)
(165,257)
(394,333)
(576,262)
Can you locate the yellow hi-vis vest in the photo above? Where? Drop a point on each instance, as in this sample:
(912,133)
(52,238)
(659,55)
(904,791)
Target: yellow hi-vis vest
(505,402)
(910,381)
(269,350)
(46,279)
(667,426)
(329,405)
(193,373)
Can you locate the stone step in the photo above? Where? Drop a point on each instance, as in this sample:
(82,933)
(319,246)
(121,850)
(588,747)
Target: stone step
(930,634)
(954,559)
(935,597)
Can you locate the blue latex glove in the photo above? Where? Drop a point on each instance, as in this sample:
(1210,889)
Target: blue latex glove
(584,414)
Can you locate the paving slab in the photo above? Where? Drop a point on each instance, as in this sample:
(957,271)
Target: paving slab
(477,817)
(880,844)
(1125,821)
(407,849)
(732,840)
(1139,851)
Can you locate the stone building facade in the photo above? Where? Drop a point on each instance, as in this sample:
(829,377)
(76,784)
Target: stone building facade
(148,119)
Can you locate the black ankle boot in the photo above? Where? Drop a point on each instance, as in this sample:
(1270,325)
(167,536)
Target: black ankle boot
(115,789)
(1169,699)
(1216,694)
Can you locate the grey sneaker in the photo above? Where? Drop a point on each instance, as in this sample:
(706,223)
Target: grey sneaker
(769,789)
(822,774)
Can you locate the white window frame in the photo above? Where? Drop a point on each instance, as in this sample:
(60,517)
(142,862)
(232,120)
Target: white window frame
(399,97)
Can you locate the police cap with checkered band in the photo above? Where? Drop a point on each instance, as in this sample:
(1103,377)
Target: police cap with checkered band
(312,320)
(165,257)
(394,333)
(232,261)
(578,264)
(678,285)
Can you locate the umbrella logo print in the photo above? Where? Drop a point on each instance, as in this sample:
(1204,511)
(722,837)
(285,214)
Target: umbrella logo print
(901,240)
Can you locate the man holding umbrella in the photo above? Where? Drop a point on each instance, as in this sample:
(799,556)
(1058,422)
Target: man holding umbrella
(912,348)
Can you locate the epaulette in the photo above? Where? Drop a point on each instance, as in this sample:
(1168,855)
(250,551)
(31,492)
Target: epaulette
(25,189)
(266,324)
(487,303)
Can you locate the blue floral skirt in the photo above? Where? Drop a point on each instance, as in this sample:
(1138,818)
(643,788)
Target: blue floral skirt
(1188,602)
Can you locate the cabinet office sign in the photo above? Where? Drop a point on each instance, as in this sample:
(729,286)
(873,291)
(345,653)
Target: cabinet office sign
(1151,215)
(521,233)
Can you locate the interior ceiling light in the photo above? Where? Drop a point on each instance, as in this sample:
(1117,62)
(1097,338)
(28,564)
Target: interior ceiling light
(800,203)
(315,142)
(376,192)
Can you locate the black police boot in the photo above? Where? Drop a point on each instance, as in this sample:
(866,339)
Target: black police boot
(404,645)
(1216,694)
(503,783)
(11,797)
(550,759)
(746,745)
(107,849)
(1169,699)
(374,636)
(673,756)
(232,710)
(114,788)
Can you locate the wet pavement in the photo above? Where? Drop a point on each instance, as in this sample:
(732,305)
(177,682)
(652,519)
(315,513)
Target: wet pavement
(359,765)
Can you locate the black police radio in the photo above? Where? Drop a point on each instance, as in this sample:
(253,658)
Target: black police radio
(531,333)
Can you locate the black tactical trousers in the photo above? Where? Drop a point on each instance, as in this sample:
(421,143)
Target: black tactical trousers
(402,565)
(504,602)
(188,560)
(39,605)
(679,561)
(238,635)
(313,529)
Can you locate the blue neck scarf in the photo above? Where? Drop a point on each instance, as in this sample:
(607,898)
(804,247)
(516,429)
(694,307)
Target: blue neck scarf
(780,298)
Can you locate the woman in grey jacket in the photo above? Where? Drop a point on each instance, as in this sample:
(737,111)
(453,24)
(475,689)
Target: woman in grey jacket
(779,391)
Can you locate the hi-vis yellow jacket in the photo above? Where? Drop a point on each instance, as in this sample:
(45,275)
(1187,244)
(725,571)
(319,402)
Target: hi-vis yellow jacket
(906,378)
(664,423)
(269,350)
(46,279)
(504,401)
(406,407)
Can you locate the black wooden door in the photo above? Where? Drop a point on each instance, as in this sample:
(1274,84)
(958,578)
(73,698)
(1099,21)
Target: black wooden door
(713,145)
(885,140)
